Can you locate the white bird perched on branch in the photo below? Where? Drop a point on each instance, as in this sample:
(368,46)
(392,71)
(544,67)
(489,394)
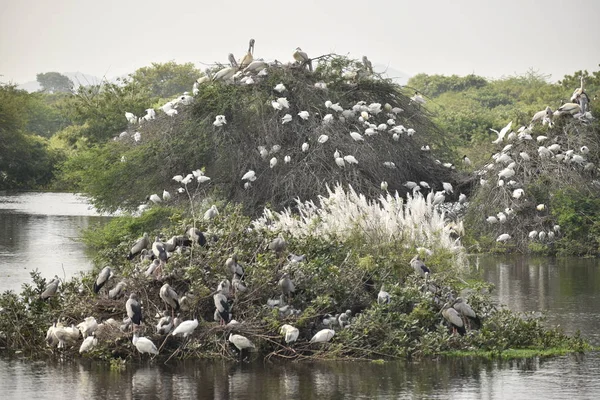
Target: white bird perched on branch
(280,87)
(518,193)
(211,213)
(186,328)
(350,159)
(88,326)
(249,176)
(248,57)
(302,58)
(144,345)
(290,333)
(305,147)
(172,112)
(286,118)
(323,138)
(503,238)
(220,120)
(356,136)
(131,118)
(448,187)
(324,335)
(303,114)
(88,344)
(283,102)
(273,162)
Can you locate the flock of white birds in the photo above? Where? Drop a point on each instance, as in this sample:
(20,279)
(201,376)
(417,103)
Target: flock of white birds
(375,118)
(511,166)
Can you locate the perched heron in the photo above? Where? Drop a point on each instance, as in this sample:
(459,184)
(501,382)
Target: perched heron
(50,289)
(102,278)
(324,335)
(140,244)
(170,297)
(134,309)
(144,345)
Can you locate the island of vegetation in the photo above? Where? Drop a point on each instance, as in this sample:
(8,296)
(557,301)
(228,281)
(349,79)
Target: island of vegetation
(300,214)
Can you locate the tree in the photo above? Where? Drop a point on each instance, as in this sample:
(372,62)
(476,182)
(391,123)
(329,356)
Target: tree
(168,79)
(54,82)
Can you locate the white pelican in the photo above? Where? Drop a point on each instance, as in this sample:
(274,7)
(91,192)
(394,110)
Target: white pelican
(302,58)
(256,66)
(249,57)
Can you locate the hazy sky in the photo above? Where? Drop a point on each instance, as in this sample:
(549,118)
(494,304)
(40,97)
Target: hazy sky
(115,37)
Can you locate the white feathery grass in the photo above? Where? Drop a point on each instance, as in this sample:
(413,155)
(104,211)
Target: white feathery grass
(415,222)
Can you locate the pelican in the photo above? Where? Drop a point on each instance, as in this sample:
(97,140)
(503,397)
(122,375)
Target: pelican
(103,277)
(225,74)
(117,291)
(367,64)
(419,266)
(568,108)
(134,309)
(249,57)
(383,297)
(453,318)
(538,116)
(579,91)
(170,297)
(141,243)
(324,335)
(256,66)
(144,345)
(186,328)
(290,333)
(302,58)
(50,289)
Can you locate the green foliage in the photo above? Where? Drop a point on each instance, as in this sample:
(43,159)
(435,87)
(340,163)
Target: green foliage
(25,160)
(165,80)
(54,82)
(578,214)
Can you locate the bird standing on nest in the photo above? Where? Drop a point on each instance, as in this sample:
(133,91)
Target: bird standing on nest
(368,65)
(302,58)
(249,57)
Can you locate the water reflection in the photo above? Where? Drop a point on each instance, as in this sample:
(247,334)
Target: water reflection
(457,378)
(566,289)
(40,230)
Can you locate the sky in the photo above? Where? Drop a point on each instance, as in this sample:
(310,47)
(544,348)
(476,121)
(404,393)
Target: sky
(115,37)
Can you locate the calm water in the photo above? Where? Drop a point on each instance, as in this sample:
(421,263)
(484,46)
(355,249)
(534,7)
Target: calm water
(40,228)
(39,231)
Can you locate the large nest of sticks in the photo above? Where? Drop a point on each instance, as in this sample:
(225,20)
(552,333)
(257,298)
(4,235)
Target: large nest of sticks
(549,163)
(190,140)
